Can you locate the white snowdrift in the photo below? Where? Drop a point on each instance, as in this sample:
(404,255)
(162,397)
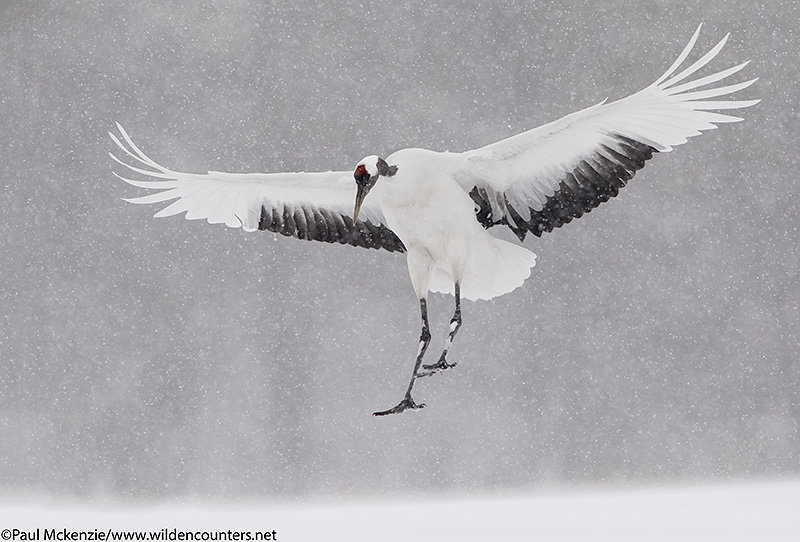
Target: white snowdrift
(768,511)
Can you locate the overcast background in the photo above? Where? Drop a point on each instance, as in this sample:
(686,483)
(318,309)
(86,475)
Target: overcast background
(149,359)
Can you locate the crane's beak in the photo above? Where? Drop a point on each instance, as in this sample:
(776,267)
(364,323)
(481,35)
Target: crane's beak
(360,195)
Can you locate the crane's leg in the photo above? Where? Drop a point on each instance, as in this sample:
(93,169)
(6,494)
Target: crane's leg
(455,325)
(424,340)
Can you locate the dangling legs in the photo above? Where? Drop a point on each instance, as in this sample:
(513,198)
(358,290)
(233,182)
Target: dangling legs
(455,324)
(424,340)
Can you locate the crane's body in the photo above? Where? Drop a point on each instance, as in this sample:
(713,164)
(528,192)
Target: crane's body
(438,207)
(435,218)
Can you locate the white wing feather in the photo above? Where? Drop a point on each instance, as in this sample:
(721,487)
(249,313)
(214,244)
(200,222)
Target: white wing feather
(307,201)
(525,170)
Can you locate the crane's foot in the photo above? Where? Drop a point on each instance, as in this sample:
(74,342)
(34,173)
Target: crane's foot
(434,368)
(406,404)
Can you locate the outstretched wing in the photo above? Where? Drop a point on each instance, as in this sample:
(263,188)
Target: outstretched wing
(312,206)
(543,178)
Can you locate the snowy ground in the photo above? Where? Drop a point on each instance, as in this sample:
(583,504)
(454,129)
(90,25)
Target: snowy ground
(767,511)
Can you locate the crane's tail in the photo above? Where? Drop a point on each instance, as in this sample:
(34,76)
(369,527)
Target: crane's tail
(495,269)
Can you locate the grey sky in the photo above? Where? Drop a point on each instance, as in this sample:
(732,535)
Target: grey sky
(657,339)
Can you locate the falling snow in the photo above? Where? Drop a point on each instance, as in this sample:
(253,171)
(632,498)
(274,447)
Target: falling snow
(141,360)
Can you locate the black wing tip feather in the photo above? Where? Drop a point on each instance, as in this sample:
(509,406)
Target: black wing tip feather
(592,182)
(329,227)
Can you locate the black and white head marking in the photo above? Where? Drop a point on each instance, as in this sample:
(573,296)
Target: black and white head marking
(370,168)
(366,174)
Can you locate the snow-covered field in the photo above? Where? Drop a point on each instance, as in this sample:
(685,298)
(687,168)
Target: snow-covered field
(767,511)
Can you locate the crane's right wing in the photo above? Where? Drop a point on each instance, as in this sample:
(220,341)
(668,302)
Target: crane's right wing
(312,206)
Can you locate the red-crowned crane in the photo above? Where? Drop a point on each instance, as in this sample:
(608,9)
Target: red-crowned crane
(438,206)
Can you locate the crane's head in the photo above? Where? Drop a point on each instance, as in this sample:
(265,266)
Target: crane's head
(366,174)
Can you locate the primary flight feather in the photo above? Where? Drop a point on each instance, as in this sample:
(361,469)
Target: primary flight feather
(437,207)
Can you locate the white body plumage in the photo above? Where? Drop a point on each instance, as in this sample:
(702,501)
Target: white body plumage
(435,218)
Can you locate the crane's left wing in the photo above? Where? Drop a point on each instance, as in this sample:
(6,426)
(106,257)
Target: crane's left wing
(543,178)
(312,206)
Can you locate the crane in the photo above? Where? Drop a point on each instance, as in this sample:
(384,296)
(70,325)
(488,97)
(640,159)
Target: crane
(437,207)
